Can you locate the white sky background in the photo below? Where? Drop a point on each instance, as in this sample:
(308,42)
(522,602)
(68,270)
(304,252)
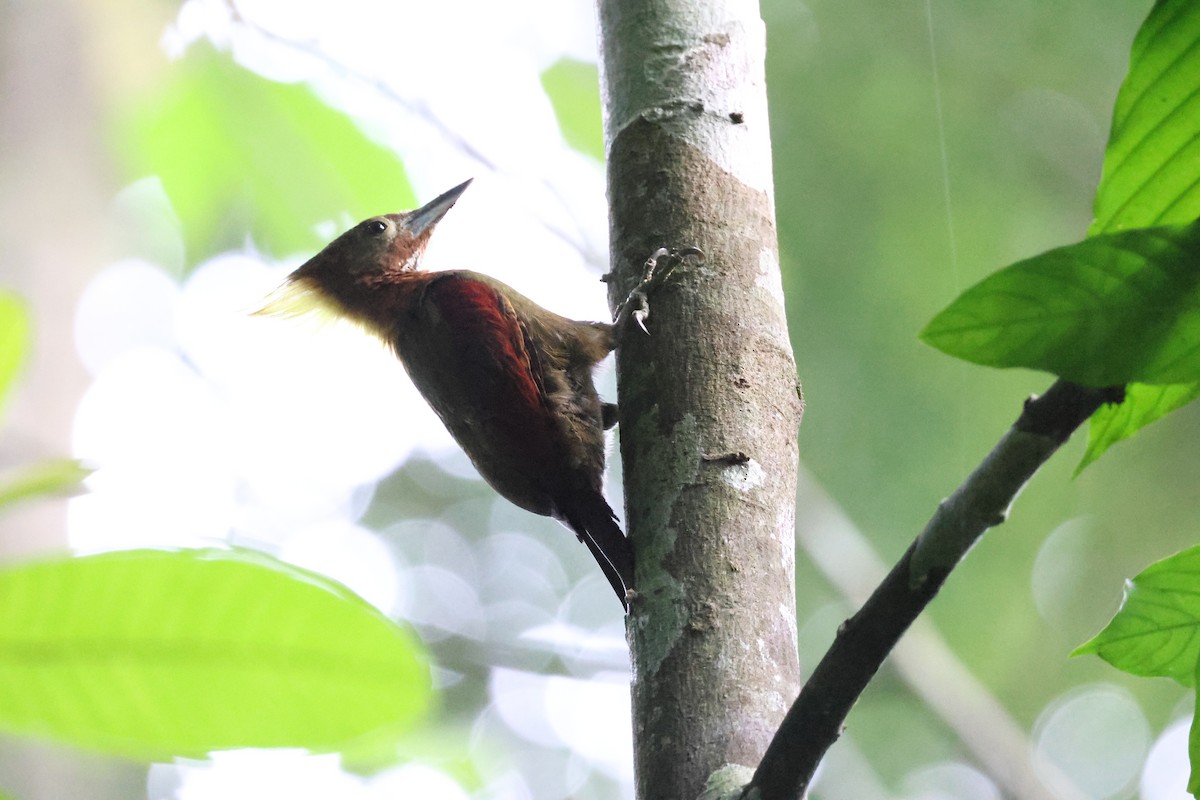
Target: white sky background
(210,426)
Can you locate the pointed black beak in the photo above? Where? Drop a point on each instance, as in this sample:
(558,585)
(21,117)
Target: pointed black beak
(425,217)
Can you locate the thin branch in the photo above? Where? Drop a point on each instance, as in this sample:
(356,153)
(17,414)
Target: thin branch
(815,720)
(923,659)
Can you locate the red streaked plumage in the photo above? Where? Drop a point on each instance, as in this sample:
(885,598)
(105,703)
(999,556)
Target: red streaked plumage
(488,327)
(511,381)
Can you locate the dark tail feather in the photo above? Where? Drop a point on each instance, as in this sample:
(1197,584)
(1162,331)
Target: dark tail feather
(596,526)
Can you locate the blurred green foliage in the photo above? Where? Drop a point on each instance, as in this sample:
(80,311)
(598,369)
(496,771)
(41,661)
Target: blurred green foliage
(574,90)
(54,476)
(154,654)
(50,477)
(238,153)
(14,342)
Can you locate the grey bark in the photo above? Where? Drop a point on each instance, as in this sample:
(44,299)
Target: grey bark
(709,401)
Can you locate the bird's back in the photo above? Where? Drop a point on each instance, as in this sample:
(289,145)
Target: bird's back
(531,430)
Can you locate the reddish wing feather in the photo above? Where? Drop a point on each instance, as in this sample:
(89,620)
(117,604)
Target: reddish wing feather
(482,316)
(479,313)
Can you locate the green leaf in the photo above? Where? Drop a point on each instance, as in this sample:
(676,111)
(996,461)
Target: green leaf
(1193,786)
(1144,403)
(574,90)
(1152,164)
(1156,632)
(237,153)
(14,341)
(1109,310)
(52,477)
(1152,175)
(153,654)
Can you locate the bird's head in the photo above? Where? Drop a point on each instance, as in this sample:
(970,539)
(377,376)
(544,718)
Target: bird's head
(339,279)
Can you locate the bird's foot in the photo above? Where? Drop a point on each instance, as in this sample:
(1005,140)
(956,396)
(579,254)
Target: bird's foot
(655,272)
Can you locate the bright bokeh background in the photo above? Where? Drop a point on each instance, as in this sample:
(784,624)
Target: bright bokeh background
(211,426)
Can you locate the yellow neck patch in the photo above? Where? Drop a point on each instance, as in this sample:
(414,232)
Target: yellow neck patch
(298,297)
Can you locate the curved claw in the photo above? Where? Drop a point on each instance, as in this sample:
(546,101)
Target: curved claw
(640,316)
(637,304)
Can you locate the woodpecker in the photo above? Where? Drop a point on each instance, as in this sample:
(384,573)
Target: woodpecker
(512,381)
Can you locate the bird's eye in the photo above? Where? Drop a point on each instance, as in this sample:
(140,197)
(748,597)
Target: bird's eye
(376,227)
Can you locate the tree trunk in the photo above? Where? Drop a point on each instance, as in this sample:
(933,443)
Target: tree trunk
(709,401)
